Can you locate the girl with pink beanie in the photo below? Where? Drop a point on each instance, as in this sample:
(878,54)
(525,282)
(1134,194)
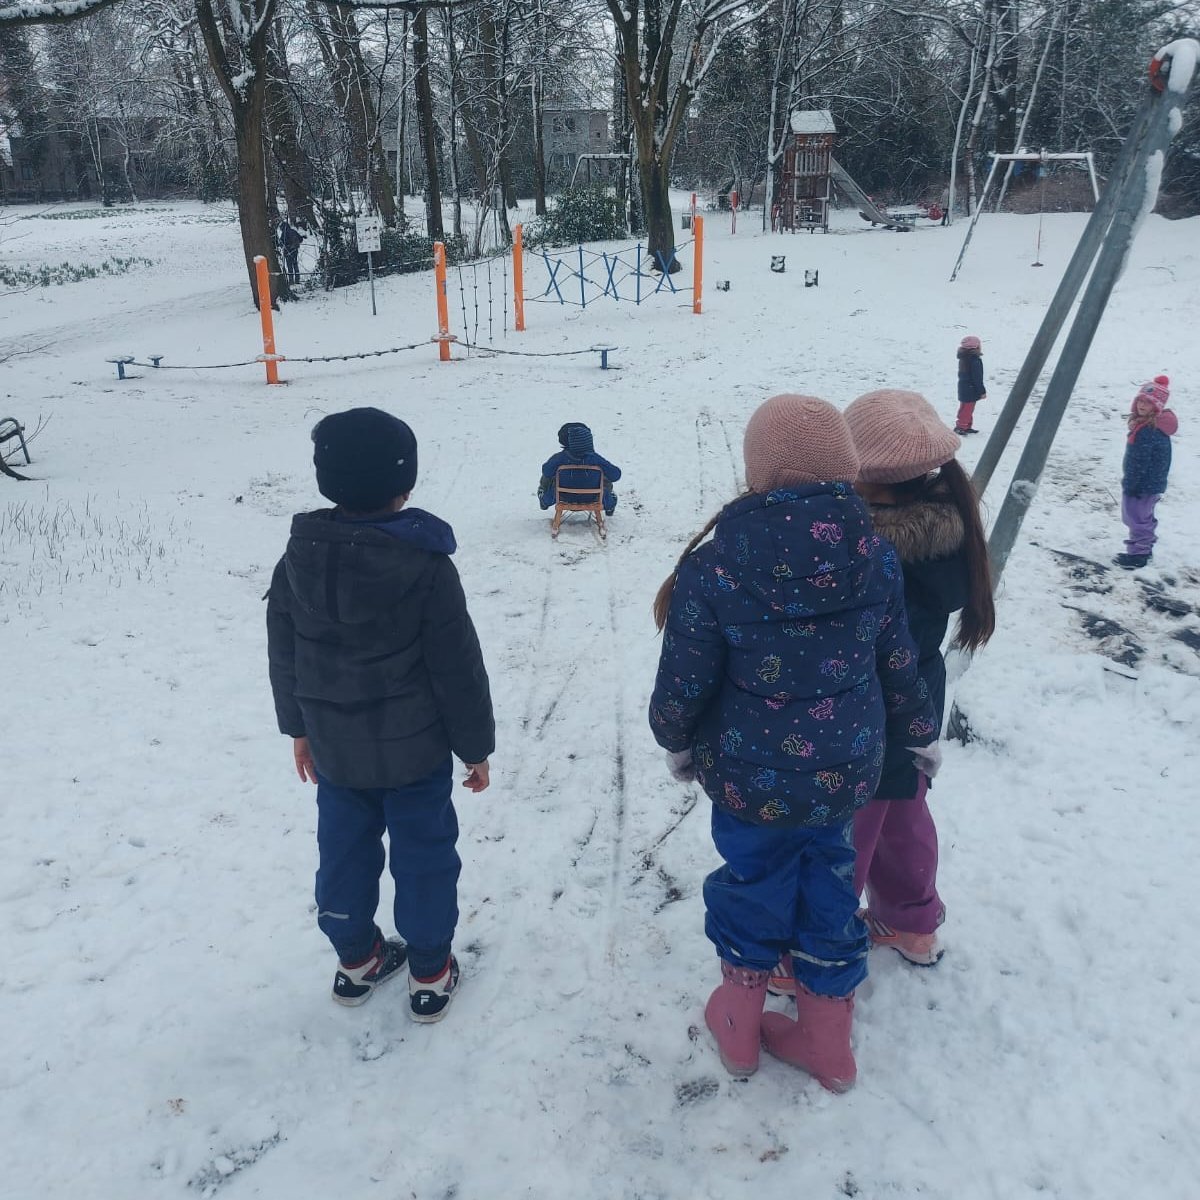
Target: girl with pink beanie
(1145,469)
(785,662)
(923,503)
(970,383)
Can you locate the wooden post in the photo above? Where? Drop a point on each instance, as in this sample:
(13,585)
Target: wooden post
(263,275)
(443,310)
(698,265)
(519,277)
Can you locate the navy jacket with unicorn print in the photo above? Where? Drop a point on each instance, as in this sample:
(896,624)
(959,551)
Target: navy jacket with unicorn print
(786,659)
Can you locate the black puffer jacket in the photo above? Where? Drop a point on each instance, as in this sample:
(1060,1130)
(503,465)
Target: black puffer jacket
(373,657)
(928,535)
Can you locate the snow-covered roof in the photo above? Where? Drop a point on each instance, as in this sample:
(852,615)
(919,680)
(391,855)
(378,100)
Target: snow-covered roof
(813,120)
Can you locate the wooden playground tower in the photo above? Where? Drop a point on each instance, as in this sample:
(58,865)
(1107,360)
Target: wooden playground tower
(805,187)
(811,175)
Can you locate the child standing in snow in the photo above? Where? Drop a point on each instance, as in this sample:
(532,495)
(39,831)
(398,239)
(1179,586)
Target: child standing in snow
(377,675)
(923,503)
(970,383)
(577,451)
(785,658)
(1147,465)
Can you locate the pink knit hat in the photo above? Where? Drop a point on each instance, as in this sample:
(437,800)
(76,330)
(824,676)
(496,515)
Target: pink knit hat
(899,436)
(1157,392)
(797,439)
(970,342)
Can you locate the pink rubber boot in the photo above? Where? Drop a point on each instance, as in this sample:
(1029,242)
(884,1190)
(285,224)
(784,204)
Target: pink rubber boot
(817,1041)
(734,1015)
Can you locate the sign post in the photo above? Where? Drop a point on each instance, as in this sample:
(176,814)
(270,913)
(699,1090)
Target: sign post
(368,233)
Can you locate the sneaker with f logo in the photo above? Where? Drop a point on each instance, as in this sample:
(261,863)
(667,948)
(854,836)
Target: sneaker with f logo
(428,999)
(354,982)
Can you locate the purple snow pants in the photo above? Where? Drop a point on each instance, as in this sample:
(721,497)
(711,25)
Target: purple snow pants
(1138,514)
(897,853)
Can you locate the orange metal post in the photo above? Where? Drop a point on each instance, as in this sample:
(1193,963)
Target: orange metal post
(443,308)
(519,277)
(698,265)
(263,276)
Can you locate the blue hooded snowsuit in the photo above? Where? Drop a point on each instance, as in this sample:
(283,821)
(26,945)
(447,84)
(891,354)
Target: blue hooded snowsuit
(578,451)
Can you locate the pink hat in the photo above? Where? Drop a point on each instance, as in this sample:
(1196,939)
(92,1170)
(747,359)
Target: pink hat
(899,436)
(970,342)
(797,439)
(1156,393)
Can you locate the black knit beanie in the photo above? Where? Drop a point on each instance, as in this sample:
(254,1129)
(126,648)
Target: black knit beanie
(365,458)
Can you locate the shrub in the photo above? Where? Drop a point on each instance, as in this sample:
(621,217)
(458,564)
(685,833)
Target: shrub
(401,252)
(579,215)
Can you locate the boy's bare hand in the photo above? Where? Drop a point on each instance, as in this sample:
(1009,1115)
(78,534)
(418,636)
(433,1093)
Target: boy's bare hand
(305,767)
(478,776)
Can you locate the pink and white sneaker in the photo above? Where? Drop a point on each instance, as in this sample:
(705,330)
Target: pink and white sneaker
(919,948)
(781,981)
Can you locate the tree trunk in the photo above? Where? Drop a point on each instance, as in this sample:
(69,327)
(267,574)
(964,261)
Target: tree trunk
(660,222)
(1004,91)
(364,114)
(537,98)
(295,170)
(242,76)
(537,101)
(425,125)
(401,173)
(252,207)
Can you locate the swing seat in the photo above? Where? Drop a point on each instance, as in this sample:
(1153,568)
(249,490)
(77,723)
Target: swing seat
(10,427)
(578,489)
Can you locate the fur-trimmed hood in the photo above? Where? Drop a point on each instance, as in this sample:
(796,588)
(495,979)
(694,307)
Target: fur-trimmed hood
(922,531)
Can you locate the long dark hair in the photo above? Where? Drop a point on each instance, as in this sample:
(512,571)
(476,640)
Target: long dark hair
(977,621)
(662,598)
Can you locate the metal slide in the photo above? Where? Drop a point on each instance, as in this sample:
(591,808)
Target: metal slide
(870,211)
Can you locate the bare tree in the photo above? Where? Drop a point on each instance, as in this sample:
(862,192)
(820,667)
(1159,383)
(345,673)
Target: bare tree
(236,42)
(658,99)
(49,12)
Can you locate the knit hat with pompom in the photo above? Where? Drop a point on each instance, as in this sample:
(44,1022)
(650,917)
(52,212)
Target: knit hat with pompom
(793,440)
(898,436)
(1157,392)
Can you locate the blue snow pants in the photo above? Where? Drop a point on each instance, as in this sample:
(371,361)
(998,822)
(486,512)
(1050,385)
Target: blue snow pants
(422,829)
(787,890)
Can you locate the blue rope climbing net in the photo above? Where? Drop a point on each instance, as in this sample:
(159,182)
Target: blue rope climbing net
(631,273)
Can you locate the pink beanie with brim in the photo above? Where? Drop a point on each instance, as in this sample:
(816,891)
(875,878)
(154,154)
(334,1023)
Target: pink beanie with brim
(793,440)
(898,436)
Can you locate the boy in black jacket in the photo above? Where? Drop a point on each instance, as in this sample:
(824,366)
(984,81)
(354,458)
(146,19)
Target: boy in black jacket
(378,676)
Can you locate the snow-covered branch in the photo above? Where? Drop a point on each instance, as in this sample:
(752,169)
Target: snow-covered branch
(46,12)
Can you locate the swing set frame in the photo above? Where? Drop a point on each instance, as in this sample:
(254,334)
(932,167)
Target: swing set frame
(1025,156)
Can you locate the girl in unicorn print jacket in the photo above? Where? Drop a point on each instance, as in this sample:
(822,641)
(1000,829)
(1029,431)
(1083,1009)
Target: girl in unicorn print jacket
(786,661)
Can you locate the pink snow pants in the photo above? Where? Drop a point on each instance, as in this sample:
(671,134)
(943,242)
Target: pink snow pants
(897,853)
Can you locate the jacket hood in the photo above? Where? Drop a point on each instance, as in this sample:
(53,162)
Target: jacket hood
(1168,422)
(349,571)
(800,550)
(926,529)
(579,441)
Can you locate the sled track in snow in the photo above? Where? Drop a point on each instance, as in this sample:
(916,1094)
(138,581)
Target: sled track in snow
(712,491)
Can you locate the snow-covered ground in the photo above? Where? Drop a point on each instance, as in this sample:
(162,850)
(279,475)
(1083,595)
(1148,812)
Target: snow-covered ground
(165,1002)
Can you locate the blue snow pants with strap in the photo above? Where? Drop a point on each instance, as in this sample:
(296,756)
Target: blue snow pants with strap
(422,829)
(787,890)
